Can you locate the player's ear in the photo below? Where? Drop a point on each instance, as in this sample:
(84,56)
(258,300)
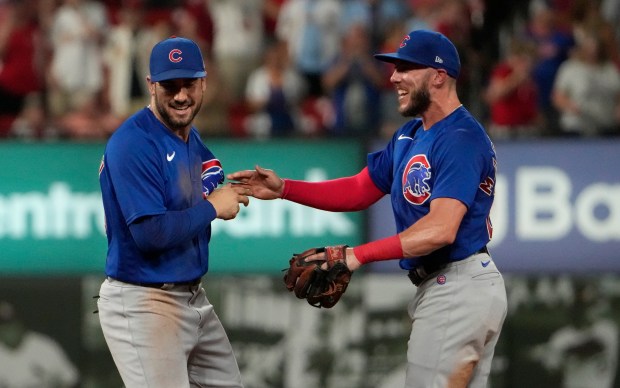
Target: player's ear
(151,85)
(440,76)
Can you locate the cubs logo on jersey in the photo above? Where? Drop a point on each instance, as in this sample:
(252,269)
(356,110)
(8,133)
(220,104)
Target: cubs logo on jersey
(416,176)
(212,175)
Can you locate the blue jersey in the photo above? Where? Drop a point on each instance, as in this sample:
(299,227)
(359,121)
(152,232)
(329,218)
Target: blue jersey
(453,159)
(147,170)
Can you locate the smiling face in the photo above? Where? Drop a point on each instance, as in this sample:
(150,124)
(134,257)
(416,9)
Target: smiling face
(412,83)
(176,102)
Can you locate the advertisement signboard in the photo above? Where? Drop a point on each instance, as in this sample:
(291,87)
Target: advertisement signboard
(52,221)
(557,207)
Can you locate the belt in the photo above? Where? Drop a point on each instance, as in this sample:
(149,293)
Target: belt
(422,271)
(162,286)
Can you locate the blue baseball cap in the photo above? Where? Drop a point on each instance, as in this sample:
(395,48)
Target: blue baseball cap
(428,48)
(174,58)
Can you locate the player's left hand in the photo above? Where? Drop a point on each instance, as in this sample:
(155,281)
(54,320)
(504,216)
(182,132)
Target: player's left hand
(319,275)
(226,200)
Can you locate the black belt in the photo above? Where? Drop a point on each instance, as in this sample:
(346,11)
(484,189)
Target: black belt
(163,286)
(427,267)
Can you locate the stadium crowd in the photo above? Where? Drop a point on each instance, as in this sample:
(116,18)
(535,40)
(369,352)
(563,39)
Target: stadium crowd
(74,69)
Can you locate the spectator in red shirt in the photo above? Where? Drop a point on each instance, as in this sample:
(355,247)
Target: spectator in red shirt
(512,95)
(19,76)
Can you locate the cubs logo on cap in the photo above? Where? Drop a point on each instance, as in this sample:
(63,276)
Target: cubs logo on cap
(427,48)
(175,58)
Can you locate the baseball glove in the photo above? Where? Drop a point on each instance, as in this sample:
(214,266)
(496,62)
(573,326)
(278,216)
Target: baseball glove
(321,281)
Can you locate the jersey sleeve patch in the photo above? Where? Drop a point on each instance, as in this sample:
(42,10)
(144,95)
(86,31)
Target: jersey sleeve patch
(212,176)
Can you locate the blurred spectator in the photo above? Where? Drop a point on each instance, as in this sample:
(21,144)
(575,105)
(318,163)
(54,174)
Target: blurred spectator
(376,16)
(46,11)
(385,14)
(453,19)
(88,122)
(76,69)
(587,18)
(30,359)
(494,25)
(214,117)
(354,82)
(274,94)
(354,12)
(512,95)
(311,29)
(610,9)
(271,11)
(187,21)
(391,120)
(20,55)
(423,14)
(125,61)
(553,46)
(32,121)
(239,41)
(205,30)
(92,76)
(587,91)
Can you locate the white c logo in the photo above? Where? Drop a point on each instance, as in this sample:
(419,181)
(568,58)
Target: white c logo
(175,56)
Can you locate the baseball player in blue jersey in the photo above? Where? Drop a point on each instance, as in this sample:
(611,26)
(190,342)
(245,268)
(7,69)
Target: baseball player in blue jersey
(159,184)
(439,170)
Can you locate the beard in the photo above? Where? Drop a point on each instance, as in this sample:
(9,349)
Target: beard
(176,123)
(418,103)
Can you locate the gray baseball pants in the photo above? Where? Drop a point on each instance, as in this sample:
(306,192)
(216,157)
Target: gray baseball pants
(166,338)
(457,315)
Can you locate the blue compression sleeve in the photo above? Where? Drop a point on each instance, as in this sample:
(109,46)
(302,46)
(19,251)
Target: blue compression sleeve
(164,231)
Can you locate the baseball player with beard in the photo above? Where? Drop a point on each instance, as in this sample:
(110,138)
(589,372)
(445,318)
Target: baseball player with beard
(159,184)
(439,170)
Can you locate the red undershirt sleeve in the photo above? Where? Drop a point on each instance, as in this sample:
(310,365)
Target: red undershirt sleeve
(352,193)
(347,194)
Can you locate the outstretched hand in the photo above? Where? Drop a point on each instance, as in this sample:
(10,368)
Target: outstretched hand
(263,183)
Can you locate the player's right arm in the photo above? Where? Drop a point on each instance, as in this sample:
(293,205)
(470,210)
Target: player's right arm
(135,176)
(163,231)
(346,194)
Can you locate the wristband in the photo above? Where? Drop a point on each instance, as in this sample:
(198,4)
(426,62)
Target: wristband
(385,249)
